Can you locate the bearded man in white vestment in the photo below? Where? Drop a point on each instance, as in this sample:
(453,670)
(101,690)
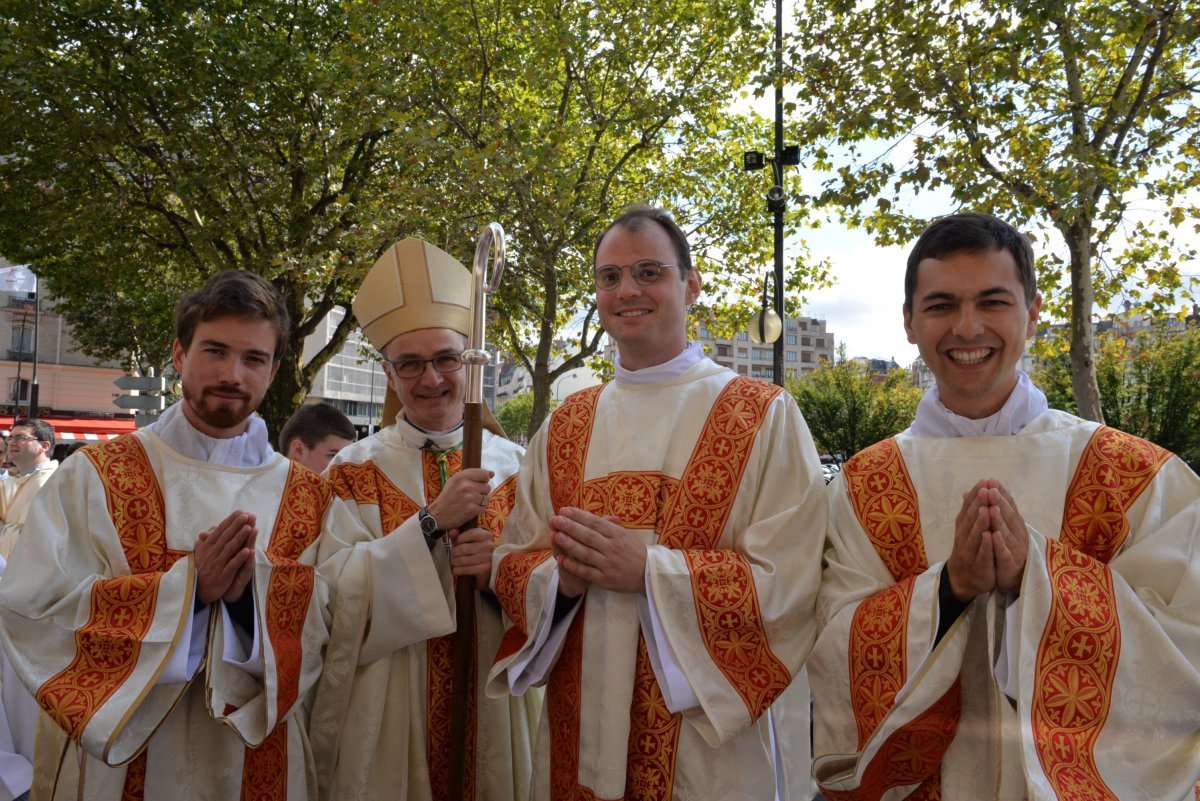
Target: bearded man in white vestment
(662,562)
(381,720)
(170,639)
(1010,605)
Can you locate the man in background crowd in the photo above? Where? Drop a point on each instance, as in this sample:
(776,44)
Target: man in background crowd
(314,434)
(30,442)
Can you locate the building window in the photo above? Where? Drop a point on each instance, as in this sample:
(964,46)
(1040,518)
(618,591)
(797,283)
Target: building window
(820,342)
(803,325)
(791,372)
(806,357)
(790,355)
(742,336)
(743,353)
(791,339)
(806,341)
(791,324)
(12,390)
(722,350)
(726,364)
(741,369)
(703,331)
(22,341)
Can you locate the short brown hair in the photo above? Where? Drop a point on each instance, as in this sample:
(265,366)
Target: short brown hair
(312,423)
(233,293)
(637,217)
(971,232)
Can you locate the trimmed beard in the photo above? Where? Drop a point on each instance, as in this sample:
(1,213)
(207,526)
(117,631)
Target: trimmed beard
(223,415)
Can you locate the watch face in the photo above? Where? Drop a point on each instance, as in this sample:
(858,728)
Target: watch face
(429,526)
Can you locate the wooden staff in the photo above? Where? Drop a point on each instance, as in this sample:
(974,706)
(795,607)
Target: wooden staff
(475,357)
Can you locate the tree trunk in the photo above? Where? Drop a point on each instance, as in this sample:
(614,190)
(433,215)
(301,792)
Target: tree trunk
(1083,297)
(284,396)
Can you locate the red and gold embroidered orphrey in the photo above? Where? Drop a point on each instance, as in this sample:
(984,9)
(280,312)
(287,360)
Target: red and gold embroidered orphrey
(1113,471)
(650,772)
(366,485)
(264,769)
(134,788)
(302,508)
(122,608)
(512,580)
(689,513)
(731,622)
(906,757)
(885,503)
(439,650)
(1080,649)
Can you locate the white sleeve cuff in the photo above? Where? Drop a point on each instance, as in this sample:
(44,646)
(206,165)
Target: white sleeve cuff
(532,667)
(1006,666)
(190,651)
(241,649)
(677,691)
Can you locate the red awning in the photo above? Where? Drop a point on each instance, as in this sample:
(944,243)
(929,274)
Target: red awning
(82,428)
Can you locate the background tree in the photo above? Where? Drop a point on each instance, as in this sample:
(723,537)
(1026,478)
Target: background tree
(147,146)
(848,406)
(1066,116)
(1149,385)
(563,115)
(516,416)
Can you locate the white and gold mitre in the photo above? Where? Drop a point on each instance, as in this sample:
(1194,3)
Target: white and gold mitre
(413,285)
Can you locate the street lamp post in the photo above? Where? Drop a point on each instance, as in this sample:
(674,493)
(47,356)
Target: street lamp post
(776,195)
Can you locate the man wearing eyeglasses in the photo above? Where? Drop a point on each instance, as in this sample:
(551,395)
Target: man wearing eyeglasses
(661,565)
(381,719)
(29,444)
(138,543)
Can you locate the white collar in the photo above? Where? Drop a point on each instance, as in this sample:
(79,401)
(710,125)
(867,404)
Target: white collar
(1024,404)
(690,356)
(251,448)
(416,437)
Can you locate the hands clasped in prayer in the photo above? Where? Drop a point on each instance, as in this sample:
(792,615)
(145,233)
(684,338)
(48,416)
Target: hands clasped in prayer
(225,558)
(990,543)
(466,496)
(596,550)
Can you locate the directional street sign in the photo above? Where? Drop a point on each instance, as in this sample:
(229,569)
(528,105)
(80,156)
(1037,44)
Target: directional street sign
(149,402)
(141,383)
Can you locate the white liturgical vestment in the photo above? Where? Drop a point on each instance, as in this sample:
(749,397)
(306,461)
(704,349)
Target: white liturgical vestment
(381,719)
(719,477)
(96,600)
(1101,648)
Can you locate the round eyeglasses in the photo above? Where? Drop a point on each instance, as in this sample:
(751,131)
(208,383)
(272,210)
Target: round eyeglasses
(415,368)
(644,272)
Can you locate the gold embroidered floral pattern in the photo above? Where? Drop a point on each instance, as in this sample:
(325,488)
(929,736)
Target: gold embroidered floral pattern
(654,744)
(134,788)
(512,580)
(1076,666)
(122,608)
(366,485)
(1081,646)
(264,769)
(567,440)
(885,503)
(1113,471)
(306,497)
(689,514)
(911,754)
